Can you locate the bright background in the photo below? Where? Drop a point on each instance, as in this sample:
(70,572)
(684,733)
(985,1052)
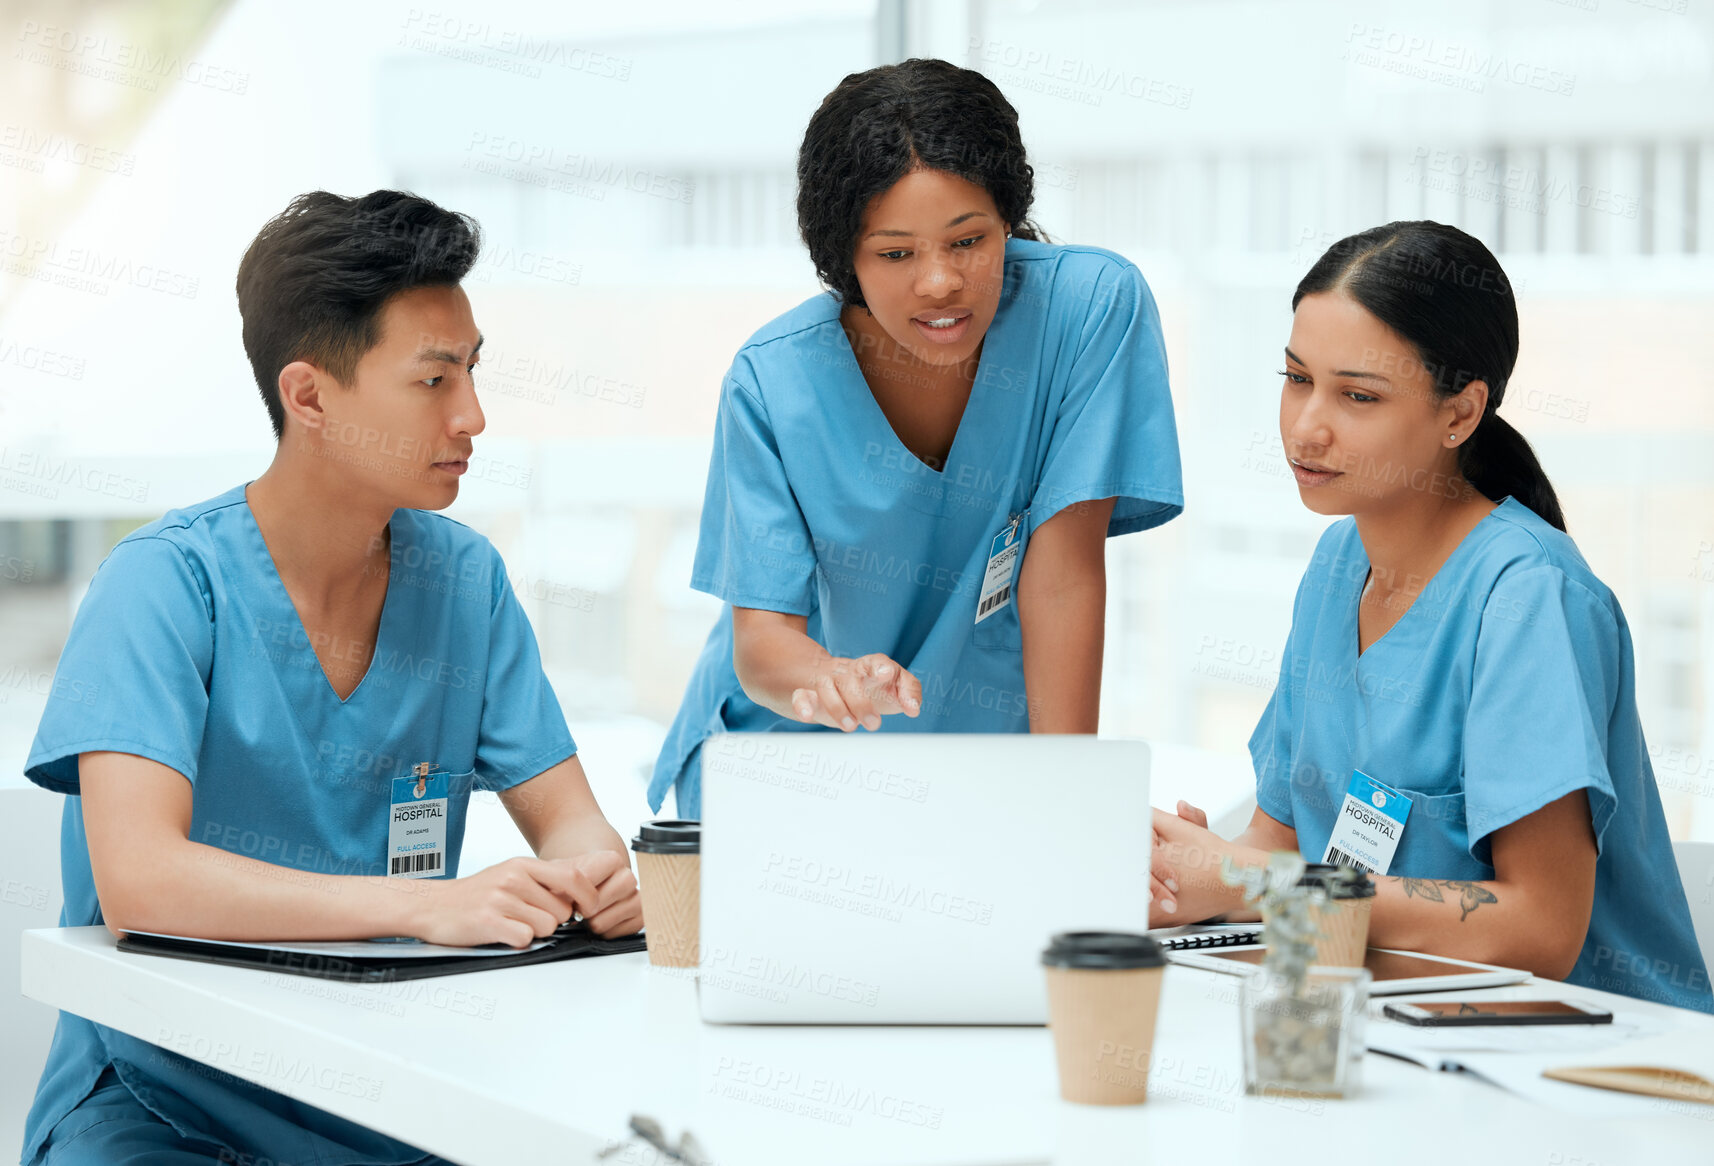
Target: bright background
(632,167)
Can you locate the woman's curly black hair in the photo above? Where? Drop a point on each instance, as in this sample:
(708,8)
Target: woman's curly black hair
(879,125)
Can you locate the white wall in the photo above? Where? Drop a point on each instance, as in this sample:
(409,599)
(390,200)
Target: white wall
(29,898)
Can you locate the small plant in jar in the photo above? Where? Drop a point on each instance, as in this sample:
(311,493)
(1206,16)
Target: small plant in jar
(1302,1023)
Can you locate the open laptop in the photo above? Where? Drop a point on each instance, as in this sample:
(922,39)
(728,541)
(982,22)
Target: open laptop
(910,878)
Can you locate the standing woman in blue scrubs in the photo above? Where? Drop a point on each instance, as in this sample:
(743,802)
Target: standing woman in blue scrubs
(883,449)
(1452,658)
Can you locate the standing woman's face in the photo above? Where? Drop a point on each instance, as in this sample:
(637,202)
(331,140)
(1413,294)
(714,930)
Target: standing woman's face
(930,258)
(1363,427)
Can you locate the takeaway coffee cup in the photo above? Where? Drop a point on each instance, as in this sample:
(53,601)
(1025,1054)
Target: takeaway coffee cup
(1103,990)
(669,875)
(1343,921)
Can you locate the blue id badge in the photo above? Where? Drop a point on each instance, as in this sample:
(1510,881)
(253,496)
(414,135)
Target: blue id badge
(1371,821)
(416,826)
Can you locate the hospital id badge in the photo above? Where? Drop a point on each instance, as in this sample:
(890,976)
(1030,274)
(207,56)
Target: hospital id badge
(416,826)
(1367,832)
(1003,555)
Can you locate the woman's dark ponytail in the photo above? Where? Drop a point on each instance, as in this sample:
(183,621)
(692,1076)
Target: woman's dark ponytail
(1445,293)
(1498,461)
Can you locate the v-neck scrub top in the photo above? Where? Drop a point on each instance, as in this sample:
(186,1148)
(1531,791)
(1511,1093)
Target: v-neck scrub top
(1508,684)
(187,650)
(814,505)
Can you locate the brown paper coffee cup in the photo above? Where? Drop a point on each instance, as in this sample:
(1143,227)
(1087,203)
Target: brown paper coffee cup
(1344,928)
(1103,1023)
(671,885)
(669,877)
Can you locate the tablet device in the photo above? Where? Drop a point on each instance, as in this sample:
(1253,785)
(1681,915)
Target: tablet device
(1463,1013)
(1392,972)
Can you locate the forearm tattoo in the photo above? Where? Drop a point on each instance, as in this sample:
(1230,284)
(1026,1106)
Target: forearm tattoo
(1470,895)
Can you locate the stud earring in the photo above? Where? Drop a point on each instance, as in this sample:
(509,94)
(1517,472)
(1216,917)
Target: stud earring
(1451,439)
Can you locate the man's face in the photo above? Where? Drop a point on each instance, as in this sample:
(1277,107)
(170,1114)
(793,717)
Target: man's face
(404,427)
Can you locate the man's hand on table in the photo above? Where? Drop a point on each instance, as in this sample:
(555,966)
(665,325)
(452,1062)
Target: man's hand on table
(524,899)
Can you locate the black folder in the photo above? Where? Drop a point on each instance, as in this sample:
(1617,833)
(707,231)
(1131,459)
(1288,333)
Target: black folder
(571,941)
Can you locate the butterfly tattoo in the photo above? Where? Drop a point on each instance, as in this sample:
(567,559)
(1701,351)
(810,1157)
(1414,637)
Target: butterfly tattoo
(1470,895)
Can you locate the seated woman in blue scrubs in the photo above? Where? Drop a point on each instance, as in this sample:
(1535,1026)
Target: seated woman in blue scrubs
(882,450)
(273,668)
(1450,643)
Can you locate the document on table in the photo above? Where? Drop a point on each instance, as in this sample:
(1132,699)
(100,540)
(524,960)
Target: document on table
(1677,1065)
(1514,1057)
(1423,1043)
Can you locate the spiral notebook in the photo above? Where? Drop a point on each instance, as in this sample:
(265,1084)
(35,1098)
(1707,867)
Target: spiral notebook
(1201,935)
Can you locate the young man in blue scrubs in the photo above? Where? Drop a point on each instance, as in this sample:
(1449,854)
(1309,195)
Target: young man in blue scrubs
(1456,708)
(275,668)
(915,474)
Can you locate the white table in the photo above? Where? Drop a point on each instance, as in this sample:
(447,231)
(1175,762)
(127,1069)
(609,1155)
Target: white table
(547,1063)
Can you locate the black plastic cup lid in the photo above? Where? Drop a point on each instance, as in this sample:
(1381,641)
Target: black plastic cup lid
(1103,950)
(669,836)
(1325,876)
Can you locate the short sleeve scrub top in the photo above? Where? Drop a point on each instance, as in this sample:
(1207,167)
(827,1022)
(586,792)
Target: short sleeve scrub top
(1508,684)
(814,507)
(187,650)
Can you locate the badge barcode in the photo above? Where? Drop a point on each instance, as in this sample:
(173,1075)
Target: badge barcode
(416,863)
(995,600)
(1340,858)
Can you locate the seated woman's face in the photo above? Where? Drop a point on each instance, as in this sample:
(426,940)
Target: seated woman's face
(1360,420)
(930,258)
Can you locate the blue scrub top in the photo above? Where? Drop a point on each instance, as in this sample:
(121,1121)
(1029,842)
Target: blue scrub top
(1506,685)
(814,506)
(187,650)
(714,702)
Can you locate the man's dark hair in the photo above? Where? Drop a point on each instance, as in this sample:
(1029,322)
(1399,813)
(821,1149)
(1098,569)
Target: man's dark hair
(312,285)
(879,125)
